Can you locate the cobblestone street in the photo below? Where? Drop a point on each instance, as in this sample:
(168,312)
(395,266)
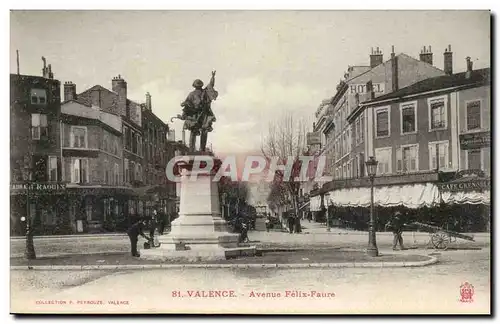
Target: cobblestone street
(431,289)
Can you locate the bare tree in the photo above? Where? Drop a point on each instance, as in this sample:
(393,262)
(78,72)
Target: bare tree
(286,139)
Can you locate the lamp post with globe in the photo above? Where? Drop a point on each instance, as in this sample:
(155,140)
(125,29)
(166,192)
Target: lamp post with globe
(371,167)
(29,253)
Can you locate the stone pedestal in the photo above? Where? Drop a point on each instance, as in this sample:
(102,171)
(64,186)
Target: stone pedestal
(199,233)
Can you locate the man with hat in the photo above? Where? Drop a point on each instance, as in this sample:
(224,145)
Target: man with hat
(133,233)
(197,113)
(396,225)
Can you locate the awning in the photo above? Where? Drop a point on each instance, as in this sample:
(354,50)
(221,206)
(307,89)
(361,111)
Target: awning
(471,197)
(150,190)
(315,203)
(411,196)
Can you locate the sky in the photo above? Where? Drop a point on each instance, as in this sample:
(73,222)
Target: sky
(267,62)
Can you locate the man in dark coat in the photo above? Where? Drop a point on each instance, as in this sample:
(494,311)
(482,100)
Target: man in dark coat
(396,225)
(291,222)
(133,233)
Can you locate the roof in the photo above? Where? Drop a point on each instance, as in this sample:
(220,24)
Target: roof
(437,83)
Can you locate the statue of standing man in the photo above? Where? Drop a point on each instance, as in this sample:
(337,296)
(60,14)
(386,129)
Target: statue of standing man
(197,112)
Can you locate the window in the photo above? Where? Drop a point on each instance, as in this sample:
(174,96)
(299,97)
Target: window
(382,122)
(474,160)
(131,207)
(408,117)
(473,115)
(444,161)
(52,168)
(88,208)
(361,165)
(107,173)
(384,158)
(437,113)
(132,171)
(116,174)
(39,126)
(407,158)
(106,208)
(134,142)
(361,128)
(48,216)
(78,137)
(38,96)
(80,171)
(139,145)
(126,175)
(138,172)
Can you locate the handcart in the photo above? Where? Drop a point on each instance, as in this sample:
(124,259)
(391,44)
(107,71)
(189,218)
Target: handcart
(440,237)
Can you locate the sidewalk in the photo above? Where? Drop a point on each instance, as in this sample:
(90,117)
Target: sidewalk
(300,258)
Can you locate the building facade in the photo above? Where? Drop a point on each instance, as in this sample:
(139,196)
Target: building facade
(35,108)
(92,168)
(432,143)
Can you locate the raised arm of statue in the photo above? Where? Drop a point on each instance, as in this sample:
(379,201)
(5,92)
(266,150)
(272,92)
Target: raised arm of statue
(211,84)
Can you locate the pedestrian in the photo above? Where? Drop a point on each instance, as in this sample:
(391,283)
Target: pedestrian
(291,222)
(396,225)
(309,216)
(133,233)
(298,227)
(153,224)
(268,222)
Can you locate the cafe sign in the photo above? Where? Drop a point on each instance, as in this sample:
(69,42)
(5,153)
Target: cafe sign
(475,140)
(37,186)
(471,185)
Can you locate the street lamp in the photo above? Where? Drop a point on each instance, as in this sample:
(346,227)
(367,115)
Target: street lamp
(326,203)
(29,253)
(371,167)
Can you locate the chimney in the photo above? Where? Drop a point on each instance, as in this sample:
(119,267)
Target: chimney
(120,87)
(148,101)
(376,58)
(69,91)
(369,90)
(45,72)
(394,71)
(426,55)
(448,60)
(469,67)
(50,74)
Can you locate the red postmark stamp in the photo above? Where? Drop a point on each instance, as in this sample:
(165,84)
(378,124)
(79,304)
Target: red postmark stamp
(466,292)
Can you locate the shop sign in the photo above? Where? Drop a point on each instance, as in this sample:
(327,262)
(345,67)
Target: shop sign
(37,186)
(313,138)
(471,185)
(475,140)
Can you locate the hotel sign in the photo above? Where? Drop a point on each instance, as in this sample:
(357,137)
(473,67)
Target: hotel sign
(361,88)
(475,140)
(37,186)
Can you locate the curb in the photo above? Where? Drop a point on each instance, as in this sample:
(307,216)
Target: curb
(432,260)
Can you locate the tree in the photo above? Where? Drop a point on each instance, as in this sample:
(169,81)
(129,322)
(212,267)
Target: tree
(233,193)
(286,139)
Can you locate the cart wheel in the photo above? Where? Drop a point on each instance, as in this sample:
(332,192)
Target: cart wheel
(440,240)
